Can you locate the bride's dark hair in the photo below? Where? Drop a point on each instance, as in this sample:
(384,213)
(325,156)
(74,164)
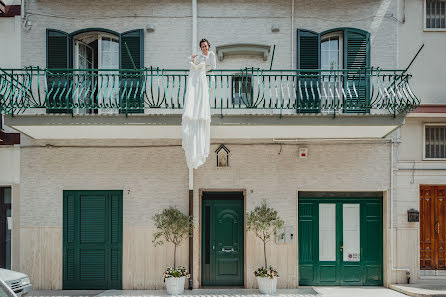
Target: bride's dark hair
(205,40)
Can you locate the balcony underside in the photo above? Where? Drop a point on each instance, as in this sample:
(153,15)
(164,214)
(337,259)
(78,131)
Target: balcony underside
(226,127)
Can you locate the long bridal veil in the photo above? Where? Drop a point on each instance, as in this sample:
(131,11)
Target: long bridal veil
(196,119)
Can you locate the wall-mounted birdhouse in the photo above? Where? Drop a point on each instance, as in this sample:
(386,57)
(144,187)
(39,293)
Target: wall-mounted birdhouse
(222,156)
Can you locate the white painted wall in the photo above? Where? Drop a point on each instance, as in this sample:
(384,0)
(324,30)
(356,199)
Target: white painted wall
(153,178)
(429,69)
(10,42)
(10,49)
(411,172)
(10,165)
(429,72)
(222,22)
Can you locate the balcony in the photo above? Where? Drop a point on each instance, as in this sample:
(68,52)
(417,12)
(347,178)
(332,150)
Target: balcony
(297,97)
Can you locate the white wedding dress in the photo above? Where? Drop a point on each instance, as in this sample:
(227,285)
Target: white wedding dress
(196,121)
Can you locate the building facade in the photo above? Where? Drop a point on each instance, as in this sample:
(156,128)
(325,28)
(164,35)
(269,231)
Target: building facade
(419,174)
(98,102)
(10,48)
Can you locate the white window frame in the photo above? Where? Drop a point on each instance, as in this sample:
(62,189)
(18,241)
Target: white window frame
(340,36)
(100,66)
(99,36)
(424,21)
(424,141)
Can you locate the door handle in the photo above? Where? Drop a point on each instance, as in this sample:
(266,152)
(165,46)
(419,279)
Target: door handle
(438,227)
(341,248)
(227,250)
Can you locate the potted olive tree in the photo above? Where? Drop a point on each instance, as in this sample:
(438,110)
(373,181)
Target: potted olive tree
(173,226)
(265,222)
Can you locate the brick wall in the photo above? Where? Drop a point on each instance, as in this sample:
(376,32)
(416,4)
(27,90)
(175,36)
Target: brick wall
(222,22)
(153,178)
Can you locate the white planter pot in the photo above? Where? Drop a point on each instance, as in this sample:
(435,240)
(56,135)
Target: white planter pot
(267,285)
(175,285)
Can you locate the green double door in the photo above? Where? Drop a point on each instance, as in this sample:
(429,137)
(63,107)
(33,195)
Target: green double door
(92,240)
(222,242)
(340,241)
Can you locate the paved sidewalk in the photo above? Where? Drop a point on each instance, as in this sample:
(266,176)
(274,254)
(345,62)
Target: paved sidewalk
(301,292)
(55,293)
(304,292)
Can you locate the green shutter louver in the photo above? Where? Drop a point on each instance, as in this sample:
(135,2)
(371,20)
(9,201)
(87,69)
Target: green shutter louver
(131,47)
(57,49)
(59,96)
(308,57)
(357,57)
(308,49)
(92,240)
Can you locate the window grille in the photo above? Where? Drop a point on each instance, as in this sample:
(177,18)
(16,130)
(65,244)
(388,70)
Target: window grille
(435,14)
(435,142)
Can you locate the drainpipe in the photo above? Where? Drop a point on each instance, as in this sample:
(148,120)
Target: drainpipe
(191,171)
(194,26)
(392,226)
(191,237)
(292,34)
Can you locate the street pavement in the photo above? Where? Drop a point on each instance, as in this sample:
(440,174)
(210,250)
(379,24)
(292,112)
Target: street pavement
(301,292)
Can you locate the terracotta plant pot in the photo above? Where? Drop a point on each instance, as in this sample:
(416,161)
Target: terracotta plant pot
(267,285)
(175,285)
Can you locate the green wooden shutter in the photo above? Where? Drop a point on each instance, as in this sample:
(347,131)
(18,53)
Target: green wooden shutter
(357,59)
(308,57)
(131,47)
(92,240)
(308,251)
(59,86)
(371,237)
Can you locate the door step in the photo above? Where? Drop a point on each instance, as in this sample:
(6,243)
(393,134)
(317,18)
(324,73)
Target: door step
(432,273)
(421,290)
(433,280)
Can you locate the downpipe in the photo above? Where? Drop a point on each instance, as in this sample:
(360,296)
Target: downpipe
(392,226)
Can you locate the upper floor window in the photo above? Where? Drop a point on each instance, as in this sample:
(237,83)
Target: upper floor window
(96,50)
(80,80)
(435,142)
(435,14)
(331,51)
(341,57)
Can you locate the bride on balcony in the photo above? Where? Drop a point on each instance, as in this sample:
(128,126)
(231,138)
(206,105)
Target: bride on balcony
(196,119)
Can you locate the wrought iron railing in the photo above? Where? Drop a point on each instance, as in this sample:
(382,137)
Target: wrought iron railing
(110,91)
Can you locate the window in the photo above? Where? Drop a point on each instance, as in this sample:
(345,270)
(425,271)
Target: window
(435,142)
(96,50)
(328,52)
(241,90)
(331,51)
(331,59)
(435,14)
(93,91)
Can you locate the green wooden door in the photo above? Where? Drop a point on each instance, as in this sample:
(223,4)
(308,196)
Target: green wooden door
(223,243)
(92,240)
(340,241)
